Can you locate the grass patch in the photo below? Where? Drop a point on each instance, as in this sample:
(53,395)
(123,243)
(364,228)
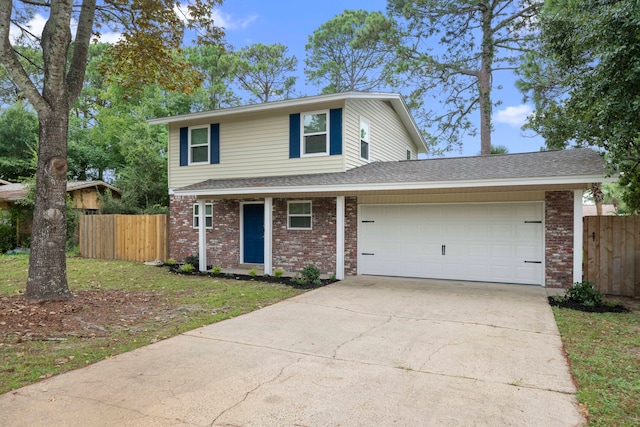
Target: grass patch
(604,355)
(120,306)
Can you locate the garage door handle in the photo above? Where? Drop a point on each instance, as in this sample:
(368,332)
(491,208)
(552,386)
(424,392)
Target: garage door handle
(533,262)
(367,253)
(533,222)
(444,249)
(367,221)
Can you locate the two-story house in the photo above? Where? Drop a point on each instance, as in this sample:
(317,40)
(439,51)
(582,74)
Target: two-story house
(335,181)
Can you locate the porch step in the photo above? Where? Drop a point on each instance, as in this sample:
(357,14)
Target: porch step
(251,266)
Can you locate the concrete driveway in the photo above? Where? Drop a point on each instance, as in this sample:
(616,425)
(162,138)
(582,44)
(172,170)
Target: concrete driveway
(366,351)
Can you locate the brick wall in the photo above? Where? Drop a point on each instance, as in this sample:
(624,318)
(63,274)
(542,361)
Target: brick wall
(183,238)
(223,241)
(295,249)
(351,236)
(292,249)
(559,239)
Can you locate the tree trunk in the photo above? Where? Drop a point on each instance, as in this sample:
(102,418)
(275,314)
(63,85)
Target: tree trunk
(598,196)
(47,264)
(484,82)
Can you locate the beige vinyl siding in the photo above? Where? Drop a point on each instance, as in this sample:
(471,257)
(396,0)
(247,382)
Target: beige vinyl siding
(479,197)
(250,146)
(389,139)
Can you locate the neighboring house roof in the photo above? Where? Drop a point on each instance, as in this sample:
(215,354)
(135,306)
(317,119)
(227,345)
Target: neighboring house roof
(539,168)
(78,185)
(590,210)
(15,192)
(3,182)
(396,100)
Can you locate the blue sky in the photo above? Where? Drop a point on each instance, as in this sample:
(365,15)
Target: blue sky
(291,23)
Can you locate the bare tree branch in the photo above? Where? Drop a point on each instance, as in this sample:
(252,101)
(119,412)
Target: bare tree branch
(9,57)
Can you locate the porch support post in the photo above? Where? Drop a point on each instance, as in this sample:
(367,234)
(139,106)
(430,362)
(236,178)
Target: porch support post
(202,235)
(577,236)
(268,235)
(340,210)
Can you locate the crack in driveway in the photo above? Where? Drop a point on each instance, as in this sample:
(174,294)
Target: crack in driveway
(335,352)
(248,393)
(430,319)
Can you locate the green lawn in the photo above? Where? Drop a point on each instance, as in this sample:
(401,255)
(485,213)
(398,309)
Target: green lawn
(180,303)
(604,354)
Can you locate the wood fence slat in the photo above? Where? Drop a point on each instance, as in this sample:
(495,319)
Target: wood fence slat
(616,228)
(636,258)
(628,255)
(612,254)
(126,237)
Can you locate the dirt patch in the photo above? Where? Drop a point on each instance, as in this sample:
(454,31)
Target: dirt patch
(89,314)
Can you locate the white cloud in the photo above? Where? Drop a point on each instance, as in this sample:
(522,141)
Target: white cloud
(109,37)
(220,18)
(226,21)
(513,116)
(34,26)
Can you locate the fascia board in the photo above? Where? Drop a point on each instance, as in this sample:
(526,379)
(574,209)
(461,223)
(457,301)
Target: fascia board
(586,179)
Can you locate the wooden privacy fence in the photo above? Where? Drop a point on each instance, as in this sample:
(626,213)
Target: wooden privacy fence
(124,237)
(612,254)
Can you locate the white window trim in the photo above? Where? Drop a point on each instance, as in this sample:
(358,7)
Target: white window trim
(368,140)
(208,144)
(310,215)
(302,134)
(195,215)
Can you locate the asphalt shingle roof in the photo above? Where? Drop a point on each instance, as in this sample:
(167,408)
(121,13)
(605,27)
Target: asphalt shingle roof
(543,164)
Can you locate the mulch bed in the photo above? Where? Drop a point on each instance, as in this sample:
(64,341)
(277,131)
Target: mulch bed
(599,308)
(288,281)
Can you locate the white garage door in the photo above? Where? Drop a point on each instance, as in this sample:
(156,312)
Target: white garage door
(478,242)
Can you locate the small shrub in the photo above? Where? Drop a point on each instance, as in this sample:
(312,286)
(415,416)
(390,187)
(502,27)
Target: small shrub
(278,273)
(253,272)
(311,274)
(186,268)
(216,269)
(7,232)
(332,278)
(194,260)
(301,281)
(584,293)
(170,262)
(73,251)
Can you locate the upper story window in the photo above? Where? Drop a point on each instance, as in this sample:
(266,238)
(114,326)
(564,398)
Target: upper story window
(408,154)
(199,144)
(208,215)
(315,129)
(364,139)
(299,215)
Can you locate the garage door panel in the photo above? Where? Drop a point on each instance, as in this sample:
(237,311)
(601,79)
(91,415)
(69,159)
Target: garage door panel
(483,242)
(500,251)
(528,253)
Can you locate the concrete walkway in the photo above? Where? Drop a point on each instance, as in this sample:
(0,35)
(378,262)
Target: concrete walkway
(367,351)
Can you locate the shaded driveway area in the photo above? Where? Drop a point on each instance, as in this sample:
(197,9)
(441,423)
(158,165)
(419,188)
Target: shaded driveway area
(365,351)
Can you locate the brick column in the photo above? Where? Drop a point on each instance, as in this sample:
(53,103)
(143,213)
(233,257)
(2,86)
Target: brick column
(558,214)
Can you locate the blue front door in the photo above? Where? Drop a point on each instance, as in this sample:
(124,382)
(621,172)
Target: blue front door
(253,233)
